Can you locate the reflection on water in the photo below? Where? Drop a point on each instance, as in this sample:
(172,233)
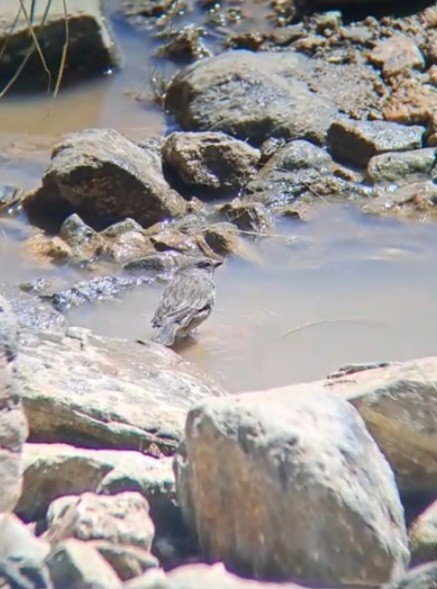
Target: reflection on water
(366,287)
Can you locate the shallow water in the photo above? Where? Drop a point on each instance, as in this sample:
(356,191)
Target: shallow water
(343,288)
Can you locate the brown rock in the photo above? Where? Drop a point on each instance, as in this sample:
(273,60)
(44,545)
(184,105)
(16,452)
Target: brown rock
(396,55)
(127,561)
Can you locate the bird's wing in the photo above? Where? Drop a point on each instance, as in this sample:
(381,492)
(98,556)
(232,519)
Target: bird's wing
(183,298)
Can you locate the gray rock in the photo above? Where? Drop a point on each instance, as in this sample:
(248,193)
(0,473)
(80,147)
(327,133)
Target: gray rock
(22,555)
(78,565)
(294,489)
(421,577)
(97,391)
(289,173)
(212,161)
(414,199)
(91,47)
(13,425)
(193,576)
(126,240)
(83,240)
(401,167)
(101,174)
(423,536)
(251,96)
(121,519)
(357,141)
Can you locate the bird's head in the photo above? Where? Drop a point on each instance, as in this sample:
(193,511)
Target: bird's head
(208,264)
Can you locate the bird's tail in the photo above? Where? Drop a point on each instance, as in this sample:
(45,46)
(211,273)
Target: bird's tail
(166,335)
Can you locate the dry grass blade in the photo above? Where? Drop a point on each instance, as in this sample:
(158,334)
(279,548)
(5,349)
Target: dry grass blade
(29,52)
(8,36)
(35,40)
(64,52)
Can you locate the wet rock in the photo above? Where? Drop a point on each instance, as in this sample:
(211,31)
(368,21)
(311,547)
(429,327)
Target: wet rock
(78,565)
(431,48)
(9,196)
(212,161)
(166,237)
(22,555)
(100,288)
(104,392)
(104,176)
(396,55)
(91,48)
(308,494)
(31,311)
(247,216)
(423,536)
(221,239)
(421,577)
(13,426)
(126,240)
(401,167)
(357,141)
(158,264)
(250,96)
(146,8)
(121,519)
(85,243)
(289,173)
(193,576)
(185,42)
(411,200)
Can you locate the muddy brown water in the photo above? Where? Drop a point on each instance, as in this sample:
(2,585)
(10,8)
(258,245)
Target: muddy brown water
(343,288)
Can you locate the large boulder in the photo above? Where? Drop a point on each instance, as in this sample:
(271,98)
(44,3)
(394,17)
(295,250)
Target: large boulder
(107,392)
(292,489)
(250,96)
(104,176)
(13,426)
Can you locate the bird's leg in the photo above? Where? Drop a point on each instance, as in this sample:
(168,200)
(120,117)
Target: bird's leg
(353,368)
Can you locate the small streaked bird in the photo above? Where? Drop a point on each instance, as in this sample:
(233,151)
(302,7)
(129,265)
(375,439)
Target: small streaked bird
(186,302)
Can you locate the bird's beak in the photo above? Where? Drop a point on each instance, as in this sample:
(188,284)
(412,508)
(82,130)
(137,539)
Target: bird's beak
(218,263)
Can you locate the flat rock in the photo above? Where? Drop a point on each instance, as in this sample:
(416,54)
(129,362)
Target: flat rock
(78,565)
(13,425)
(423,536)
(212,161)
(91,48)
(403,166)
(291,489)
(357,141)
(103,392)
(251,96)
(102,175)
(399,406)
(396,54)
(127,561)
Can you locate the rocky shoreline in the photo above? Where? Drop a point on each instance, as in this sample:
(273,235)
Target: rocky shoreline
(124,465)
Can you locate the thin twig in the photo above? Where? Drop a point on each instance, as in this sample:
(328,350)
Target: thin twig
(9,33)
(314,323)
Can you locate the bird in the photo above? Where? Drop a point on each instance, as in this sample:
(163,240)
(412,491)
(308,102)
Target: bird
(186,302)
